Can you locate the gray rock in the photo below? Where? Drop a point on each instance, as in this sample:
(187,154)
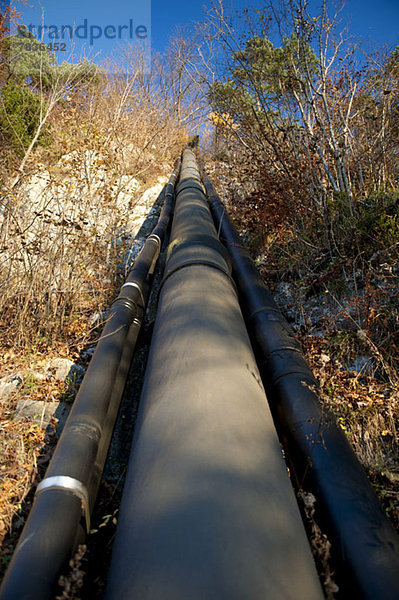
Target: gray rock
(363,364)
(284,294)
(35,410)
(40,412)
(88,353)
(65,369)
(97,318)
(10,384)
(94,319)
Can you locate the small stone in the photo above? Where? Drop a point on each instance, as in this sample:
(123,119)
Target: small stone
(308,499)
(363,364)
(94,319)
(10,384)
(64,368)
(35,410)
(88,353)
(41,412)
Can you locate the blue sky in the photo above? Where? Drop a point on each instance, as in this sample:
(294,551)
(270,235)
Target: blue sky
(375,21)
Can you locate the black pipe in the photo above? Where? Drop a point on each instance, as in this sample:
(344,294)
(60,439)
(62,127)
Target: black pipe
(53,529)
(364,543)
(208,511)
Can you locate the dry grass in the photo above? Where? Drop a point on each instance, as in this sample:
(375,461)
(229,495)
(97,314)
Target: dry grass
(367,409)
(73,582)
(64,228)
(26,448)
(21,443)
(26,445)
(321,546)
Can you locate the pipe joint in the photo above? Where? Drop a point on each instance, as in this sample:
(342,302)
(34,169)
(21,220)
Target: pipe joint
(134,285)
(198,263)
(201,241)
(68,484)
(306,380)
(153,237)
(126,302)
(187,184)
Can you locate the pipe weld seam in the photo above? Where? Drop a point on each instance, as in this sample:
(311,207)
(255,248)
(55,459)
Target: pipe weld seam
(195,263)
(301,372)
(205,240)
(126,302)
(69,484)
(267,309)
(182,187)
(284,349)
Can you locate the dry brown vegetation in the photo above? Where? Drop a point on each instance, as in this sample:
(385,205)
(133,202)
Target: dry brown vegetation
(64,224)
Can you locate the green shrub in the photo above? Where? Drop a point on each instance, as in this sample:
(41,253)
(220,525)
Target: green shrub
(379,220)
(19,118)
(371,225)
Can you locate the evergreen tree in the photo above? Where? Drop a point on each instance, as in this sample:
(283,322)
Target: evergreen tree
(20,110)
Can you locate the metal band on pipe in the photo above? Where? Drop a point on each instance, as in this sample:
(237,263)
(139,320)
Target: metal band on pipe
(154,236)
(70,484)
(135,285)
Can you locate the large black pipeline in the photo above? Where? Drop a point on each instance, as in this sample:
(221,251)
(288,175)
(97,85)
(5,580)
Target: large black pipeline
(208,511)
(53,528)
(364,543)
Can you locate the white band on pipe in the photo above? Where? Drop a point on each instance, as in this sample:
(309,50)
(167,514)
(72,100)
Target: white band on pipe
(135,285)
(63,482)
(154,236)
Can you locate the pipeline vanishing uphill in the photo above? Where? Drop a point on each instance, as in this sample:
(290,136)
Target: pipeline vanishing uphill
(208,511)
(53,531)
